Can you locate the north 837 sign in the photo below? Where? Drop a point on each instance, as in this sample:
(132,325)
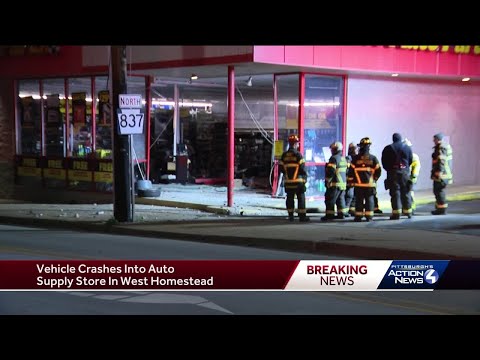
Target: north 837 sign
(130,121)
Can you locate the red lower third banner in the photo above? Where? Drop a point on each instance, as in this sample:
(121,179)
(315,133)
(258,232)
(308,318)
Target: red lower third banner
(238,275)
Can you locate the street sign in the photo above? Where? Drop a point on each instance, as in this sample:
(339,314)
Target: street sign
(130,121)
(129,101)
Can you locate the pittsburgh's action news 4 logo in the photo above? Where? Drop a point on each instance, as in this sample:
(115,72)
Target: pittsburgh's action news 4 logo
(413,274)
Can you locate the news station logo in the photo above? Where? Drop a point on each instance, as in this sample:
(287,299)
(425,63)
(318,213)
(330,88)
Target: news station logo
(413,274)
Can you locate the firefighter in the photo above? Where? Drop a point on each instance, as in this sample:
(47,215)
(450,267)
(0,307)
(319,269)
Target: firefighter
(441,173)
(335,183)
(292,166)
(349,192)
(396,160)
(363,174)
(414,172)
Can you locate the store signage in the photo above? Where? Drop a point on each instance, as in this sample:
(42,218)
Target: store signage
(456,49)
(55,170)
(103,172)
(29,167)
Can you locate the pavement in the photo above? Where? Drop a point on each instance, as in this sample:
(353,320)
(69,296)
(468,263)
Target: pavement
(200,213)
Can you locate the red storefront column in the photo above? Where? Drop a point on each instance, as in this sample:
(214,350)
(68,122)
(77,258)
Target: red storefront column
(231,135)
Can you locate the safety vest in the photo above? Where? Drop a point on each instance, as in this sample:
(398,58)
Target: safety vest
(364,171)
(336,172)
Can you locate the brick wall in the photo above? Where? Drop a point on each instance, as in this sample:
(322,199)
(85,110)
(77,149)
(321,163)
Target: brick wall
(7,145)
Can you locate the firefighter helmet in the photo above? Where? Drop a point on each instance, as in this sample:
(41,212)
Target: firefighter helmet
(336,146)
(407,142)
(293,139)
(365,141)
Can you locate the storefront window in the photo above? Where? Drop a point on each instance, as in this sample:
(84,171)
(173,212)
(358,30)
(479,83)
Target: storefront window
(103,121)
(203,129)
(323,125)
(54,110)
(54,166)
(80,115)
(29,124)
(161,130)
(323,122)
(254,123)
(287,100)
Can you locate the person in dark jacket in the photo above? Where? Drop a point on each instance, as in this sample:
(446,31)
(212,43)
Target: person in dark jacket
(335,183)
(363,174)
(292,166)
(396,160)
(349,191)
(441,173)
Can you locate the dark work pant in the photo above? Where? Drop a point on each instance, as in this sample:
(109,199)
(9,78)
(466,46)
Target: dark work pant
(300,192)
(334,196)
(364,201)
(400,192)
(350,199)
(439,190)
(375,200)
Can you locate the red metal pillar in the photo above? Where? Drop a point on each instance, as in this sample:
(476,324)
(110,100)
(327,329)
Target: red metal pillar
(94,116)
(301,110)
(148,106)
(231,135)
(68,147)
(344,117)
(42,124)
(275,135)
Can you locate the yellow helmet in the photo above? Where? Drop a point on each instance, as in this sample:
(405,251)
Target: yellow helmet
(365,141)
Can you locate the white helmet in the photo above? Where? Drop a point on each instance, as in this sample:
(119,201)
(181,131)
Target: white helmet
(407,142)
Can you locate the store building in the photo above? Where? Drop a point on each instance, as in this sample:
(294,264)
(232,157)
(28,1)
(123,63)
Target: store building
(56,117)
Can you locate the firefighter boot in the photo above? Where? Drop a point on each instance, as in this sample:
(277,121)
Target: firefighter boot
(439,212)
(328,217)
(304,218)
(291,218)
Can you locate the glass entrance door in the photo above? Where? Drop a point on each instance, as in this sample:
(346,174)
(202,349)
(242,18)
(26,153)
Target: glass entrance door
(311,106)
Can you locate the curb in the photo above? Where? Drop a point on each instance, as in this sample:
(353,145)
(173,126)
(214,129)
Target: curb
(305,246)
(254,210)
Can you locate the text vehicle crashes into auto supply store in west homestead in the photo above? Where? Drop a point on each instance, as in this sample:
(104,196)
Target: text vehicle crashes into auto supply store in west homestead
(219,113)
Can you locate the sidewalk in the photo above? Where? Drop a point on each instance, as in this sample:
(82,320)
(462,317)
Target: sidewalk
(199,213)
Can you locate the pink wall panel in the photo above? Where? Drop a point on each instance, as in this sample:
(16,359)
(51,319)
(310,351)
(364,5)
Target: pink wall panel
(418,109)
(327,56)
(426,62)
(270,54)
(371,59)
(299,55)
(404,61)
(358,57)
(470,64)
(448,64)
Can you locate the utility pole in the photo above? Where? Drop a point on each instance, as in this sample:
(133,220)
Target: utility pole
(122,166)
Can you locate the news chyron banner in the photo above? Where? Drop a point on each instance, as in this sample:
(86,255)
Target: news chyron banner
(239,275)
